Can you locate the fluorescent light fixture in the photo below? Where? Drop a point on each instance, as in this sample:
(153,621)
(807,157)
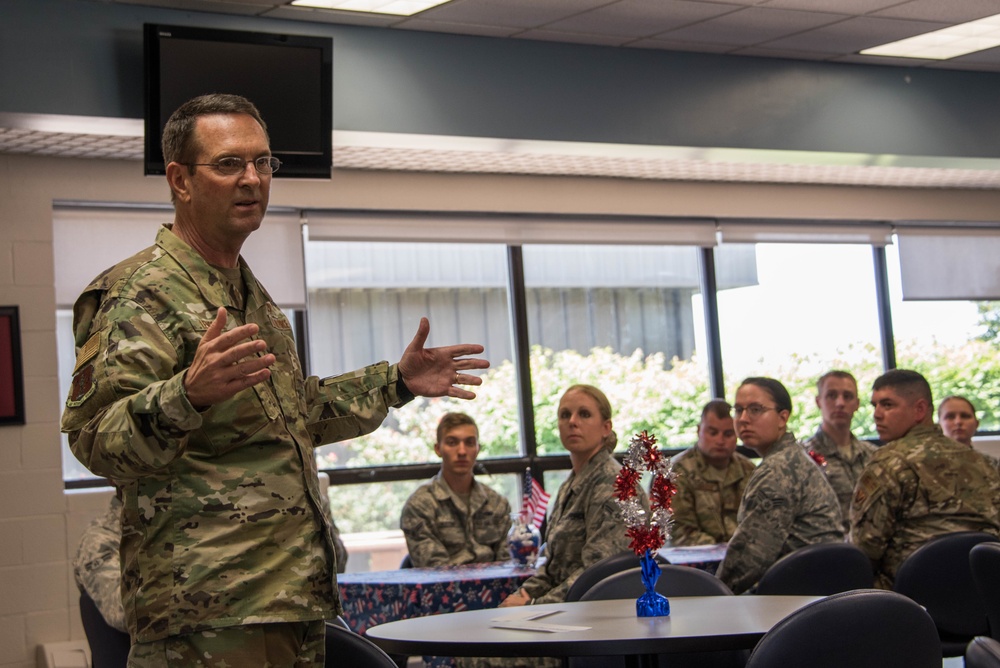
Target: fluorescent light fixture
(398,7)
(946,43)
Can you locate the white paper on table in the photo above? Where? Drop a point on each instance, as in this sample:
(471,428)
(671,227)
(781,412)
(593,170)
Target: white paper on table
(530,623)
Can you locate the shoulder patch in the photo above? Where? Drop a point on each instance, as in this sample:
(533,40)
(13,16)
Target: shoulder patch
(83,386)
(88,351)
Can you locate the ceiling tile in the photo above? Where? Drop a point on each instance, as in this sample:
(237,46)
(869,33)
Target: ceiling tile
(516,13)
(640,18)
(849,7)
(945,11)
(458,28)
(853,35)
(753,25)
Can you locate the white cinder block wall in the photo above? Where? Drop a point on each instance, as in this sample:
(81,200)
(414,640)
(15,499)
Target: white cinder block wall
(40,523)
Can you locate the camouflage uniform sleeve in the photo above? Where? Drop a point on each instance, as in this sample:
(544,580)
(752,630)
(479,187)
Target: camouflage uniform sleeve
(97,566)
(352,404)
(128,413)
(765,521)
(685,528)
(501,550)
(417,523)
(873,509)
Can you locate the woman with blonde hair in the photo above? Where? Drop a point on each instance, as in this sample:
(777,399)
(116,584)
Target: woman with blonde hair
(585,525)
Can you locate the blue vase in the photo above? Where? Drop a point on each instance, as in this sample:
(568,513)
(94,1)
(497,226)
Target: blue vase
(651,604)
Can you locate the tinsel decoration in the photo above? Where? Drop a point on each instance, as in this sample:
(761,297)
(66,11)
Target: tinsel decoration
(647,532)
(818,458)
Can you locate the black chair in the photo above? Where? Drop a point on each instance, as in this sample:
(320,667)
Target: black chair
(108,646)
(938,576)
(406,562)
(602,569)
(818,570)
(984,559)
(673,581)
(350,649)
(863,628)
(982,652)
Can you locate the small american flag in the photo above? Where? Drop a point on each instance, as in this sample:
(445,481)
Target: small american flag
(535,500)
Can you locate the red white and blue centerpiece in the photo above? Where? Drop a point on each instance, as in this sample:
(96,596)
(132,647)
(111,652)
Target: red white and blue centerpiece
(648,531)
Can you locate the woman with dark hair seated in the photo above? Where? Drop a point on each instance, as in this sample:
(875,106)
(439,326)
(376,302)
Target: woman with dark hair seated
(788,502)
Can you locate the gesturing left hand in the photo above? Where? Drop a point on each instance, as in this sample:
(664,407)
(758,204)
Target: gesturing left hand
(435,372)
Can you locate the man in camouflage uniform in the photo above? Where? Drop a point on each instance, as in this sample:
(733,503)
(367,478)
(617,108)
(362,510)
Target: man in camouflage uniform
(843,456)
(920,484)
(188,395)
(710,481)
(97,565)
(454,519)
(788,502)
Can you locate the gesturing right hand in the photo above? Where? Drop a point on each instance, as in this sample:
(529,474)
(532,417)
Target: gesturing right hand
(225,363)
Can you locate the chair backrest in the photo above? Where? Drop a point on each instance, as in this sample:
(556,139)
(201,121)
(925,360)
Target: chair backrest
(818,570)
(938,576)
(984,559)
(600,570)
(863,628)
(673,581)
(109,647)
(406,562)
(982,652)
(351,649)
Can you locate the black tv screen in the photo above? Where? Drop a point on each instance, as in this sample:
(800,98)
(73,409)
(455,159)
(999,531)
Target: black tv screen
(288,77)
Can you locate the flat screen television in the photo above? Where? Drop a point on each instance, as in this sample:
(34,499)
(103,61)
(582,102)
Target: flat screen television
(288,77)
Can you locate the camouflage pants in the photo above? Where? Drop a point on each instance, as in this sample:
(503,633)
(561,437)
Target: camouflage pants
(286,645)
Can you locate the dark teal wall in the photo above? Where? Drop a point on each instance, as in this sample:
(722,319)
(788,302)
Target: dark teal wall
(83,57)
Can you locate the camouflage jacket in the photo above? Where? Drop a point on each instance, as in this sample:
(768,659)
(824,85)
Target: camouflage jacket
(221,523)
(440,529)
(917,487)
(97,567)
(584,526)
(788,504)
(843,473)
(705,507)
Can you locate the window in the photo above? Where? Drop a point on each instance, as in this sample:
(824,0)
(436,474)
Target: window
(366,299)
(952,343)
(811,309)
(622,318)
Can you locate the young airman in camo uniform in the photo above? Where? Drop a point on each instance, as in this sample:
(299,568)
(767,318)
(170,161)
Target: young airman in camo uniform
(842,455)
(455,519)
(710,481)
(788,502)
(188,395)
(920,484)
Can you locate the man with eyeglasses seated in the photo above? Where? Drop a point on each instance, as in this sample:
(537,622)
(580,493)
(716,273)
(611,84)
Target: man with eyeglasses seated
(788,502)
(840,454)
(711,478)
(920,484)
(188,395)
(455,519)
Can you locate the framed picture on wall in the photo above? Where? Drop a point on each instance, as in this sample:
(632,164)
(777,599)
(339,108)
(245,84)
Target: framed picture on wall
(11,372)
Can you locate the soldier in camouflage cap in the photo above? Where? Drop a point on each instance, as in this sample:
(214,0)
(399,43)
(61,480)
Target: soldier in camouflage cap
(188,395)
(455,519)
(843,456)
(788,502)
(710,481)
(920,484)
